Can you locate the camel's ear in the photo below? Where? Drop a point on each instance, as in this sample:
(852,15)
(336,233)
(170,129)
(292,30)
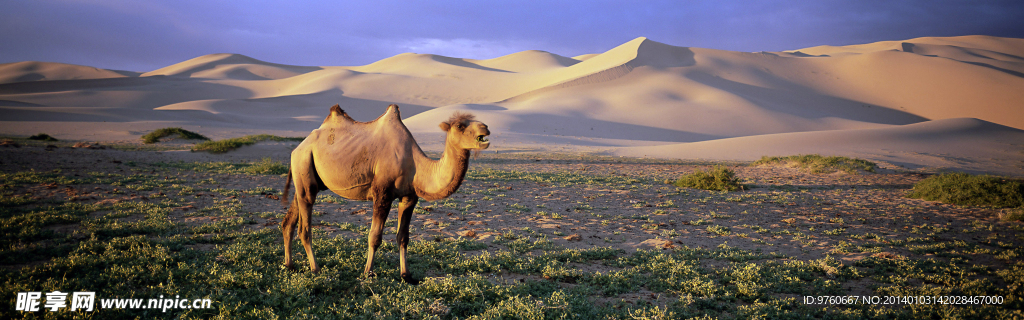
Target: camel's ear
(445,126)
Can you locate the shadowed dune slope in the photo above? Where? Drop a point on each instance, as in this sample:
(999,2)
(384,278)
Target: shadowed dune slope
(961,143)
(230,66)
(674,101)
(50,71)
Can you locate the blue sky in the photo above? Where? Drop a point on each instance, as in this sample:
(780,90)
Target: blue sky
(141,35)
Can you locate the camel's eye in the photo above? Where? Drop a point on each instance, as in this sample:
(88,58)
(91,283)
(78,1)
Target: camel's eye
(461,127)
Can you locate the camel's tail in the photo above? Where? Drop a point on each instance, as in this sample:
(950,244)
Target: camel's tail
(287,185)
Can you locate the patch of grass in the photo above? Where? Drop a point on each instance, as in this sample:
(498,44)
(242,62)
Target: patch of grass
(699,222)
(43,137)
(222,146)
(119,222)
(554,178)
(22,226)
(323,198)
(243,279)
(970,190)
(518,208)
(718,178)
(154,137)
(1012,215)
(818,164)
(38,177)
(520,244)
(264,166)
(229,224)
(719,230)
(133,249)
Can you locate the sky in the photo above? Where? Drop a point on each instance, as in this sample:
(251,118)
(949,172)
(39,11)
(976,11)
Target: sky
(141,35)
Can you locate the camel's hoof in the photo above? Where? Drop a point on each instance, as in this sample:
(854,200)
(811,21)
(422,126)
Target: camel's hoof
(288,267)
(407,277)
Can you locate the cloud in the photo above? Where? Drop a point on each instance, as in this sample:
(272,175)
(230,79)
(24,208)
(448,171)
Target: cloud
(463,48)
(145,35)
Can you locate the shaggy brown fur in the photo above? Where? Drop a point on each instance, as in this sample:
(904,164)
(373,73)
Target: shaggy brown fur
(458,118)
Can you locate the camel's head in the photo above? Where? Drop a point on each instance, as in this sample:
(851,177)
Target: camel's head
(465,132)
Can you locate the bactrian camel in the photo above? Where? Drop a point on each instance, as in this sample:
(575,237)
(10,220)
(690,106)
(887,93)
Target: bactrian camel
(379,161)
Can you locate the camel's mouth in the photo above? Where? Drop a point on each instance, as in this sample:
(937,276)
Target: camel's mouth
(482,139)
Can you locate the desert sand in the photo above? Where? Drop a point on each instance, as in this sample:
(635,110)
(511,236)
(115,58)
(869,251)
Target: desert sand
(922,104)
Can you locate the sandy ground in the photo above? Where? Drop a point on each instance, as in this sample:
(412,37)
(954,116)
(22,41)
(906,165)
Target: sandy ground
(785,211)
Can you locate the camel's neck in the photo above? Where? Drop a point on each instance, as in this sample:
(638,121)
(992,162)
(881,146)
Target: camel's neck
(438,179)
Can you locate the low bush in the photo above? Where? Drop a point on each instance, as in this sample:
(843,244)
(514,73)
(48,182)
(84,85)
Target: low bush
(970,190)
(718,178)
(266,166)
(222,146)
(818,164)
(1012,215)
(154,137)
(42,137)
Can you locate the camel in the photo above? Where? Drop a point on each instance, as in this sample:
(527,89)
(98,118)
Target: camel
(378,161)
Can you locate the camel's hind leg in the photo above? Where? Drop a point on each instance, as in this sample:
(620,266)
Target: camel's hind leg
(299,216)
(381,207)
(405,209)
(288,231)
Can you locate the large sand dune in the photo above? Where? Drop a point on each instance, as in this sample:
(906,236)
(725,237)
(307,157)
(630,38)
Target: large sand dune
(927,102)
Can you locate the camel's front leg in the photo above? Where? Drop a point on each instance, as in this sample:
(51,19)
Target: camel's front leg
(381,208)
(405,208)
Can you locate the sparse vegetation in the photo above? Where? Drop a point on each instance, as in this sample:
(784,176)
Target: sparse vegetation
(718,178)
(266,166)
(815,163)
(970,190)
(556,178)
(210,231)
(1016,214)
(222,146)
(42,137)
(155,136)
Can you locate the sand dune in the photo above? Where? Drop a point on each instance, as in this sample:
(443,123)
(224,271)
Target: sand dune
(961,143)
(49,71)
(528,61)
(918,102)
(230,66)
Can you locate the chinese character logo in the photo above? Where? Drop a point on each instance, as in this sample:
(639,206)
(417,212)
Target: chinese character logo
(28,301)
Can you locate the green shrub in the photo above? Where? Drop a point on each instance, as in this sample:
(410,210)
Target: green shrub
(154,137)
(818,164)
(222,146)
(718,178)
(42,137)
(266,166)
(1013,215)
(970,190)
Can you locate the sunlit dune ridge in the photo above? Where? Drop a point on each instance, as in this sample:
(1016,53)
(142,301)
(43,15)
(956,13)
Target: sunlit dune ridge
(640,98)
